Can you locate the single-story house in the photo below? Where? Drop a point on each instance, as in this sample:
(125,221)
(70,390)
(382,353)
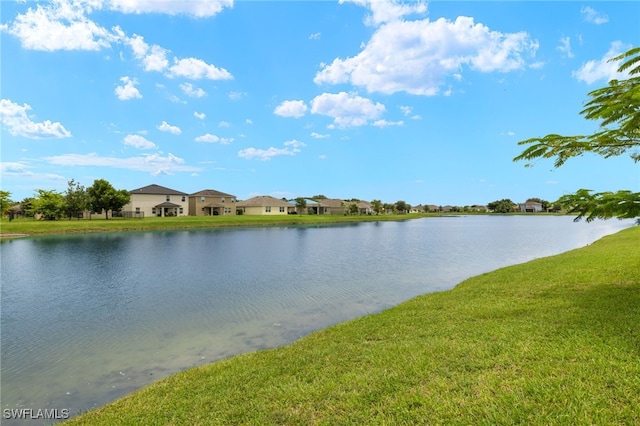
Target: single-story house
(265,205)
(530,207)
(156,200)
(209,202)
(333,206)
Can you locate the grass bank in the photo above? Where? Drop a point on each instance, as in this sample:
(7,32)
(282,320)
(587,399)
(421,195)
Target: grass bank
(31,226)
(552,341)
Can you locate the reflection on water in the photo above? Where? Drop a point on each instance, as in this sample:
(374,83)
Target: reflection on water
(88,318)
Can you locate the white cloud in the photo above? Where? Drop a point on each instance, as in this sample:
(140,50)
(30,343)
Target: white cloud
(196,69)
(602,69)
(139,142)
(565,47)
(593,16)
(346,109)
(21,171)
(60,25)
(248,121)
(294,109)
(154,58)
(388,11)
(199,115)
(236,96)
(128,90)
(14,118)
(418,57)
(406,110)
(155,164)
(209,138)
(317,135)
(385,123)
(195,8)
(291,147)
(224,124)
(166,127)
(189,90)
(314,36)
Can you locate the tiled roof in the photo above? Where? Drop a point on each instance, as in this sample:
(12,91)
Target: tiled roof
(210,193)
(156,190)
(264,201)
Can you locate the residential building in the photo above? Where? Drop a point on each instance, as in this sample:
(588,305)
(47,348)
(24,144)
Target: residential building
(530,207)
(265,205)
(209,202)
(156,200)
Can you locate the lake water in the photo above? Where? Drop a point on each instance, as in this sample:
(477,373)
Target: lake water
(88,318)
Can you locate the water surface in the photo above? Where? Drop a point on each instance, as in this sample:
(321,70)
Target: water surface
(88,318)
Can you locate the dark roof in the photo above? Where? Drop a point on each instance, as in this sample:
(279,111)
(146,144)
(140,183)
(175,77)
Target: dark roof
(168,204)
(156,190)
(210,193)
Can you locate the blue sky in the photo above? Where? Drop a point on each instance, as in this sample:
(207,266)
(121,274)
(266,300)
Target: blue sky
(415,101)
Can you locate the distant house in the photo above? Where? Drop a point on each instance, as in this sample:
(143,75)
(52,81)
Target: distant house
(209,202)
(333,206)
(156,200)
(265,205)
(418,209)
(530,207)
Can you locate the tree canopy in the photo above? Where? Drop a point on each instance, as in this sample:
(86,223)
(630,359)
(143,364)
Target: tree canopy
(104,197)
(617,107)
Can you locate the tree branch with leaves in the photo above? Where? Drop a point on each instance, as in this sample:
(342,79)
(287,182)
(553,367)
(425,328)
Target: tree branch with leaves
(617,107)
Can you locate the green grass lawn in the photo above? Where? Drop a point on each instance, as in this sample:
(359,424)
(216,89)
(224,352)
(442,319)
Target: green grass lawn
(555,341)
(30,226)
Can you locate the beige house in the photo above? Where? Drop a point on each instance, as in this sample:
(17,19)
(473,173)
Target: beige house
(265,205)
(156,200)
(209,202)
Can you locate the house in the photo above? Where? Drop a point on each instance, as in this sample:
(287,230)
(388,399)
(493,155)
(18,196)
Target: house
(333,206)
(418,209)
(156,200)
(530,207)
(209,202)
(265,205)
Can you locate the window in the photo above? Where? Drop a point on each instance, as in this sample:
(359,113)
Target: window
(267,209)
(222,199)
(233,200)
(227,210)
(181,210)
(153,210)
(168,197)
(202,199)
(137,209)
(183,198)
(281,209)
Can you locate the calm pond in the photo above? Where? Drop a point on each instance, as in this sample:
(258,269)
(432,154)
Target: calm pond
(88,318)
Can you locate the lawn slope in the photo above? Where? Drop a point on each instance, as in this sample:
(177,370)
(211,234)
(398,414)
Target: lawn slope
(552,341)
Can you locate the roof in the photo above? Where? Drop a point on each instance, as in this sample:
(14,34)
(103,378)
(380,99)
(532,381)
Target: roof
(156,190)
(264,201)
(210,193)
(168,204)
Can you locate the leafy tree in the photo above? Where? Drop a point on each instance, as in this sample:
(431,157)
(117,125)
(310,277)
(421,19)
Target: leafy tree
(353,208)
(376,206)
(319,197)
(617,107)
(5,201)
(501,206)
(76,199)
(401,207)
(301,204)
(104,197)
(388,207)
(27,206)
(50,204)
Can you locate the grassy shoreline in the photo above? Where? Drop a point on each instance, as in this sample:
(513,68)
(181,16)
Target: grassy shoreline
(28,227)
(551,341)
